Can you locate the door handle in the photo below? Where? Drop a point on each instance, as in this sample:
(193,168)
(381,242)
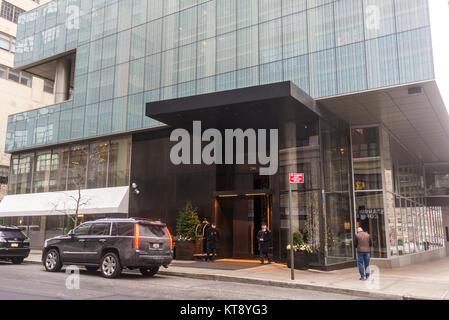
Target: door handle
(82,240)
(102,240)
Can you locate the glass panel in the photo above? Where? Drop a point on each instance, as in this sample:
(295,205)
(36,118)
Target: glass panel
(321,28)
(366,158)
(119,162)
(370,216)
(303,138)
(77,168)
(338,213)
(59,166)
(42,172)
(98,165)
(25,173)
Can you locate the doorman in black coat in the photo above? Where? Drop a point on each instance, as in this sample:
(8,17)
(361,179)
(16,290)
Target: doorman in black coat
(212,237)
(264,238)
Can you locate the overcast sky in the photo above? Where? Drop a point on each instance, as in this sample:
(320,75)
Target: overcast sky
(439,17)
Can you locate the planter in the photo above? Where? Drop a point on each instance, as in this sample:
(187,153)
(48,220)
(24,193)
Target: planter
(185,250)
(301,260)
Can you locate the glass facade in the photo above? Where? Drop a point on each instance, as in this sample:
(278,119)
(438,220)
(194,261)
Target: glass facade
(98,164)
(390,199)
(321,206)
(130,52)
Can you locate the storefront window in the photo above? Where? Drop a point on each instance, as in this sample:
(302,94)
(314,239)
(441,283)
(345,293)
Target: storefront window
(437,180)
(59,167)
(98,165)
(13,174)
(119,162)
(366,157)
(339,233)
(25,173)
(371,217)
(42,172)
(77,168)
(300,152)
(369,204)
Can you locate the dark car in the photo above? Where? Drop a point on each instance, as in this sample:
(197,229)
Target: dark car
(112,245)
(14,245)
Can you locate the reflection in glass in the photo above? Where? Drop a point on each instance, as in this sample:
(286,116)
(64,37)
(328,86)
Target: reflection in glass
(366,158)
(371,217)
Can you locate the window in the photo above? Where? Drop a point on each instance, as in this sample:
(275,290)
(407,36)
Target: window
(125,229)
(49,86)
(4,171)
(14,75)
(100,229)
(10,12)
(3,71)
(82,230)
(25,79)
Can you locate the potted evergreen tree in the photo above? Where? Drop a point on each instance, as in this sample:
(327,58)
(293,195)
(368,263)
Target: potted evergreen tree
(185,240)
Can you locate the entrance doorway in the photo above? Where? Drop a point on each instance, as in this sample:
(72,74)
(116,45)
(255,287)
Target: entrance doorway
(239,218)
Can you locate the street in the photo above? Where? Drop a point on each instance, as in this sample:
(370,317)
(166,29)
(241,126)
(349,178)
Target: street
(32,282)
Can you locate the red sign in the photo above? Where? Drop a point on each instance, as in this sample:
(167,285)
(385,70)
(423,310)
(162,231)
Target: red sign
(296,177)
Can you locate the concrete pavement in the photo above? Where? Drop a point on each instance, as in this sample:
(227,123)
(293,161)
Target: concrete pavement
(31,282)
(428,280)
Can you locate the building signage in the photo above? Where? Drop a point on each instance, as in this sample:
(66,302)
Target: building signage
(296,178)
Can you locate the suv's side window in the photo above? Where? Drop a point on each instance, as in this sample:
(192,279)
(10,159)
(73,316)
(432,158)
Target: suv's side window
(82,230)
(125,229)
(100,229)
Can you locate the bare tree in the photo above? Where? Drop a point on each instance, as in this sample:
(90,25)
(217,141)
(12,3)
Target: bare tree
(74,201)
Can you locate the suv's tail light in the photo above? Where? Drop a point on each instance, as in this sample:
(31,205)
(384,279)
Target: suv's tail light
(136,237)
(171,238)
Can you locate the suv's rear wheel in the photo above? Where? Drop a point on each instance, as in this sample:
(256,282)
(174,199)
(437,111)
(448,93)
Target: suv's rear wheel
(53,261)
(110,265)
(17,260)
(149,272)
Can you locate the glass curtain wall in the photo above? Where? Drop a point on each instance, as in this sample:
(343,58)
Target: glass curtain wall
(339,224)
(157,50)
(368,190)
(99,164)
(300,152)
(389,191)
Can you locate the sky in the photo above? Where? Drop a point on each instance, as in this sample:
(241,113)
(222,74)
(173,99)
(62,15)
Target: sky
(439,20)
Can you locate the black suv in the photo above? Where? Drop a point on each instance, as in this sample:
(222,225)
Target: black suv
(14,245)
(111,245)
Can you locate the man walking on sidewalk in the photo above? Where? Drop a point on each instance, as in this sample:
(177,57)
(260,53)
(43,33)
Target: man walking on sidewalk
(264,238)
(363,243)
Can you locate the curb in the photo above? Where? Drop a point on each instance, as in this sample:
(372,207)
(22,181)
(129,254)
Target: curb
(280,284)
(32,262)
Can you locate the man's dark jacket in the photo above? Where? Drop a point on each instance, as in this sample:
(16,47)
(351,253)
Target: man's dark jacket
(266,239)
(212,236)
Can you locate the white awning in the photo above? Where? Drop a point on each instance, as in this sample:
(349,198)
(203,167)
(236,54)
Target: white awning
(93,201)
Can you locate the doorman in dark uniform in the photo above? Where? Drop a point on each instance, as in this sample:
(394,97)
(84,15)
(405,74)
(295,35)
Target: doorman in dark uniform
(212,236)
(264,238)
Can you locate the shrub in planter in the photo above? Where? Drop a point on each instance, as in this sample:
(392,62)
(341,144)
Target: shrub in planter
(185,242)
(302,252)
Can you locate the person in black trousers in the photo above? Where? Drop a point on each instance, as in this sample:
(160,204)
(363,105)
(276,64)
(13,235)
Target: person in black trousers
(264,238)
(212,237)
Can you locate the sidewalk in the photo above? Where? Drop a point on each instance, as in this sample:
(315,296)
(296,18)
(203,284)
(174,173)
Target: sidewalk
(428,280)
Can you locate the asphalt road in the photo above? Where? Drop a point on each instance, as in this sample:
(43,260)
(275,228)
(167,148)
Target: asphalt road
(32,282)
